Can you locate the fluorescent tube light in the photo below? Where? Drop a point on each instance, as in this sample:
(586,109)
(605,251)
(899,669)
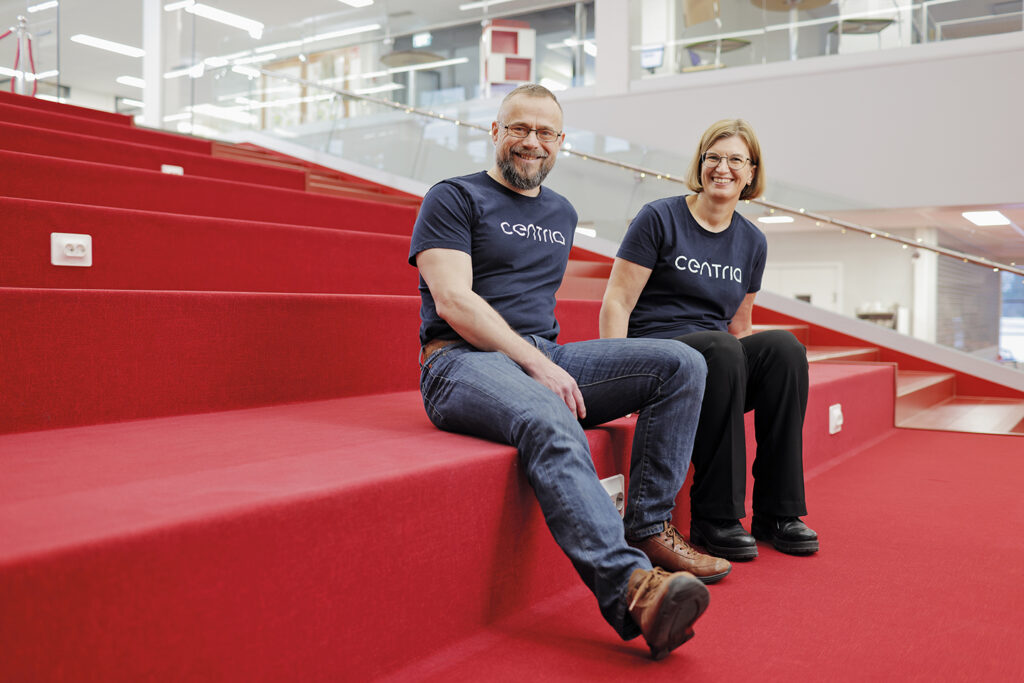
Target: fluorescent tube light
(357,3)
(429,65)
(132,103)
(481,3)
(983,218)
(133,81)
(255,59)
(195,71)
(318,37)
(387,87)
(251,26)
(774,219)
(43,5)
(108,45)
(246,71)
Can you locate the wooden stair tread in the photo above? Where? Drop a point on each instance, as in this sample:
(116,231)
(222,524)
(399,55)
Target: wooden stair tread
(975,414)
(909,381)
(825,353)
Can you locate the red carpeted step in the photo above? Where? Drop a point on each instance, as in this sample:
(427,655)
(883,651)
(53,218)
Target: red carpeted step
(861,609)
(32,176)
(353,510)
(315,172)
(588,269)
(74,357)
(110,131)
(577,287)
(33,140)
(77,357)
(823,336)
(316,541)
(149,250)
(65,109)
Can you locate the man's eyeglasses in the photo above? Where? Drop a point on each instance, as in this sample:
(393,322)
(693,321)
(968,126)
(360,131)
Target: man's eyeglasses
(735,162)
(543,134)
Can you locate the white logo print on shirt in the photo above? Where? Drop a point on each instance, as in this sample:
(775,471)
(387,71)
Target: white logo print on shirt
(533,232)
(715,271)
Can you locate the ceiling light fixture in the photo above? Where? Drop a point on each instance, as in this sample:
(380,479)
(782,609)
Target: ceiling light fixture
(387,87)
(320,36)
(481,3)
(774,219)
(357,3)
(108,45)
(251,26)
(985,218)
(133,81)
(43,5)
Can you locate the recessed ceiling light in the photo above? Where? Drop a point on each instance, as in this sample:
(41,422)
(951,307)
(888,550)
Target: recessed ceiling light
(986,218)
(108,45)
(774,219)
(357,3)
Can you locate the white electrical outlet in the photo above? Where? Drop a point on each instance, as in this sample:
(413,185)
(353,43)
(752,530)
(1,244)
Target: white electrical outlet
(835,418)
(615,486)
(68,249)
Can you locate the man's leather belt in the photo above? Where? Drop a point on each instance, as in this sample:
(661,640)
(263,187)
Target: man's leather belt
(434,345)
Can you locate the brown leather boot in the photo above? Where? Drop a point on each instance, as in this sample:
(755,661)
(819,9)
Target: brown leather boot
(665,606)
(668,550)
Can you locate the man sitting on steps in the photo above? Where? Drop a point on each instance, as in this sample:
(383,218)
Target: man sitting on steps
(491,249)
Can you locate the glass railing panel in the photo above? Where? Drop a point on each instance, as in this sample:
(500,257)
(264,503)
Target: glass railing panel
(912,278)
(670,38)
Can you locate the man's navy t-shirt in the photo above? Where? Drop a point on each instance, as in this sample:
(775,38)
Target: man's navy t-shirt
(699,278)
(519,246)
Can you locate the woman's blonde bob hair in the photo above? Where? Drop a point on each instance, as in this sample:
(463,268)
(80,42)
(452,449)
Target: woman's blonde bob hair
(726,128)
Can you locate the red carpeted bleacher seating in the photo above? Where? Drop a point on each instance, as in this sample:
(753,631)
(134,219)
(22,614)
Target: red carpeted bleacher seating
(217,464)
(48,142)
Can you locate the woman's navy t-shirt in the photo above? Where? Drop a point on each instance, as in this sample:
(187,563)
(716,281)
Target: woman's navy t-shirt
(699,278)
(519,246)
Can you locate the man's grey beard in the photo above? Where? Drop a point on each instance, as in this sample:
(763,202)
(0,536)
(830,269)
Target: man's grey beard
(516,179)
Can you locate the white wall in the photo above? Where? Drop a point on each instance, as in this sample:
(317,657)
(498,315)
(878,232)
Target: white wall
(936,124)
(873,271)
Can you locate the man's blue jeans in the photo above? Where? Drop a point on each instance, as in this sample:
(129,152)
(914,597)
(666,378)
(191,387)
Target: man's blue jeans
(488,395)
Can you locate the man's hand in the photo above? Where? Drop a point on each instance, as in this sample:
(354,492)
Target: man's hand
(449,275)
(559,381)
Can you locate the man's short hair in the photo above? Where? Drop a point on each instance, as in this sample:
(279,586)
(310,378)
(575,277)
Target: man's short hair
(726,128)
(533,90)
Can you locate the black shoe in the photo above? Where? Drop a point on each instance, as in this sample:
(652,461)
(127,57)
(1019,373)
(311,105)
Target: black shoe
(786,534)
(723,538)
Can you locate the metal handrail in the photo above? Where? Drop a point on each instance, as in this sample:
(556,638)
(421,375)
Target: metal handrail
(818,218)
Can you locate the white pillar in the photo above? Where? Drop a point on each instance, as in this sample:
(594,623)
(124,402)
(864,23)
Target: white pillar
(611,33)
(926,282)
(152,63)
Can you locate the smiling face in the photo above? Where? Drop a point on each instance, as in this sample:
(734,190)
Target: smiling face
(521,164)
(721,183)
